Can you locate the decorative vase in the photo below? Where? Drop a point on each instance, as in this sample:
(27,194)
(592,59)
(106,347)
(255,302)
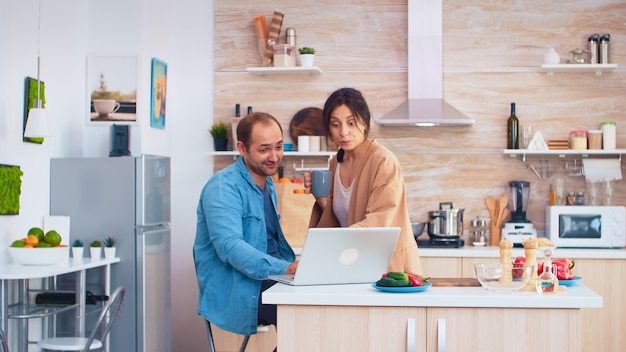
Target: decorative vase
(551,57)
(95,252)
(307,60)
(220,144)
(109,252)
(77,252)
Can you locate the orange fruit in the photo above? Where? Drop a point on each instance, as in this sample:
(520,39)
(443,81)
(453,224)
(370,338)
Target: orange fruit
(284,180)
(298,191)
(31,240)
(37,232)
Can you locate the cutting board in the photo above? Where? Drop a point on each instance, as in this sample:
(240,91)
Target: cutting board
(454,282)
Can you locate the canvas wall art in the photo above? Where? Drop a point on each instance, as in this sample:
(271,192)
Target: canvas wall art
(112,89)
(158,89)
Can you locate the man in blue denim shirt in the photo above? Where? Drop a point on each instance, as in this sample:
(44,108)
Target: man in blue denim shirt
(239,242)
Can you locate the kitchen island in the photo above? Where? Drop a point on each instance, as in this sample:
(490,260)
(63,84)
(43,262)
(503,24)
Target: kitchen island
(599,269)
(361,318)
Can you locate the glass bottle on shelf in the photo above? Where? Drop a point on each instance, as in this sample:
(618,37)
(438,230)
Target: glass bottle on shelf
(547,281)
(512,138)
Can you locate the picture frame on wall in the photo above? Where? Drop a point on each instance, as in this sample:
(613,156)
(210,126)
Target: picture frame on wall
(158,93)
(112,89)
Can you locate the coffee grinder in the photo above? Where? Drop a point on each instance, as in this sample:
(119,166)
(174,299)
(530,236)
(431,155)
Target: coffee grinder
(518,229)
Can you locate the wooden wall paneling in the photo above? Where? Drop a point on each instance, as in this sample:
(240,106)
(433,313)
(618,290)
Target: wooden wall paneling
(492,55)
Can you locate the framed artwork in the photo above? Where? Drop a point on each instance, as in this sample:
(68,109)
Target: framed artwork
(30,96)
(158,90)
(112,89)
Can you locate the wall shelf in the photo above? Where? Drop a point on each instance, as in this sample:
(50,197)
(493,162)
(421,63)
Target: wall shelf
(292,153)
(578,68)
(267,71)
(296,167)
(542,162)
(587,153)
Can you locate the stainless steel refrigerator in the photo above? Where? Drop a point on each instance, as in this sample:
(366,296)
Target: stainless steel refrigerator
(127,198)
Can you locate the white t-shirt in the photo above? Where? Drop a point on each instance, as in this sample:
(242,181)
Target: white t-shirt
(341,200)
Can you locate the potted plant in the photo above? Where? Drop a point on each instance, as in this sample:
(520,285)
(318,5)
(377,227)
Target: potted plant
(77,249)
(95,249)
(109,247)
(219,131)
(307,56)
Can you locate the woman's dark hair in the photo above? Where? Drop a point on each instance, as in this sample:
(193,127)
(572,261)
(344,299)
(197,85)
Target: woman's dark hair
(353,100)
(244,127)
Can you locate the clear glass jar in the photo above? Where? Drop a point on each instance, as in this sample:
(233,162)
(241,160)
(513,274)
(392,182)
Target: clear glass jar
(594,139)
(547,281)
(284,55)
(478,231)
(578,140)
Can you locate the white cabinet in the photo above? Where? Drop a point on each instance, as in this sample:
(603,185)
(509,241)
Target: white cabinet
(503,329)
(358,329)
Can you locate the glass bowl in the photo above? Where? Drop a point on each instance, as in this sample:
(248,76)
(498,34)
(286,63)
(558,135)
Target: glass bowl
(38,256)
(488,274)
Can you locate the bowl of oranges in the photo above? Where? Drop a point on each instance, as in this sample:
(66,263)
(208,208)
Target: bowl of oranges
(39,248)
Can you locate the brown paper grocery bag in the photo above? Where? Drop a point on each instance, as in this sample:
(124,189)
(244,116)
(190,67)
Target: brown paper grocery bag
(295,212)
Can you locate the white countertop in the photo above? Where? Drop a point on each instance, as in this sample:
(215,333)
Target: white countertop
(577,296)
(19,271)
(494,252)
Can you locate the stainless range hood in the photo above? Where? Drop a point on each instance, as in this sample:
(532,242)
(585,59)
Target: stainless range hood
(425,106)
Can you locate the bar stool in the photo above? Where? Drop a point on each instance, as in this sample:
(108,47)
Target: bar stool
(3,342)
(242,348)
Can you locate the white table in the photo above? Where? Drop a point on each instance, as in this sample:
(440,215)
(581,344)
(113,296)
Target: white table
(11,274)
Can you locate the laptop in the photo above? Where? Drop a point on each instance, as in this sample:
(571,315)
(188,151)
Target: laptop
(343,255)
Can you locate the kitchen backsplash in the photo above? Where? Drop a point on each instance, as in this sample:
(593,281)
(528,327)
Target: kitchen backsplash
(492,56)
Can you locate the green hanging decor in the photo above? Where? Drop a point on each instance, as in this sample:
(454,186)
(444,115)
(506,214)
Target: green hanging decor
(10,189)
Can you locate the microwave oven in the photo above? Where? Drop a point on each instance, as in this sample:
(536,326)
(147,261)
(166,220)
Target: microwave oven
(586,226)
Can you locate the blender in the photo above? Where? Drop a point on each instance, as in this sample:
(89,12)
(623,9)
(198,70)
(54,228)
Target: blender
(518,229)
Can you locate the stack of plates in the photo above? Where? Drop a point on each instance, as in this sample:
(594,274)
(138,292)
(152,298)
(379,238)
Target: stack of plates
(558,144)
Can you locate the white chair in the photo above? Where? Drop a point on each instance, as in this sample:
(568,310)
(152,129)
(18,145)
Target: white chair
(95,340)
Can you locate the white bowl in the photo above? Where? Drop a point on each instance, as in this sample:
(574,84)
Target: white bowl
(489,274)
(38,256)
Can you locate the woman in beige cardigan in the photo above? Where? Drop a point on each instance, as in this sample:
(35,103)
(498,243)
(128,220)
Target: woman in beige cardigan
(368,187)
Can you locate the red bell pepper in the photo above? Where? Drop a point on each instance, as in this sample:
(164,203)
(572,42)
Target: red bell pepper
(563,266)
(417,280)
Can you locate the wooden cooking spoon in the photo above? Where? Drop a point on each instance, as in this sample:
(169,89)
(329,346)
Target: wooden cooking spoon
(502,205)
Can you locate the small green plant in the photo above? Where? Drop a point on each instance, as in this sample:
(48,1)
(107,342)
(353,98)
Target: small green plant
(95,243)
(306,50)
(77,243)
(219,130)
(109,242)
